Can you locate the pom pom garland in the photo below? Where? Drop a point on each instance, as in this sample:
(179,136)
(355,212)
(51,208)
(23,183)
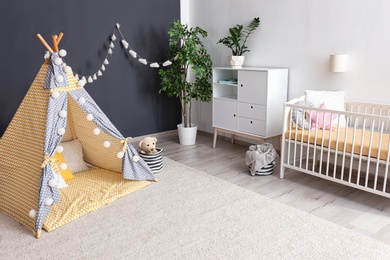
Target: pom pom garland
(96,131)
(68,69)
(59,149)
(48,201)
(106,144)
(57,61)
(89,117)
(120,155)
(63,166)
(52,183)
(125,44)
(32,213)
(81,100)
(61,131)
(63,113)
(62,53)
(55,94)
(81,83)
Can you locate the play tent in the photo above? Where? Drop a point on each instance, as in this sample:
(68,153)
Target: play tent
(56,111)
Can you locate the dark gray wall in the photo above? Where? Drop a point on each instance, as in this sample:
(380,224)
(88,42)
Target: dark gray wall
(128,90)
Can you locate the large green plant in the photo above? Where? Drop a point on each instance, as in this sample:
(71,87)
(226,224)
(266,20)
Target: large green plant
(190,55)
(236,41)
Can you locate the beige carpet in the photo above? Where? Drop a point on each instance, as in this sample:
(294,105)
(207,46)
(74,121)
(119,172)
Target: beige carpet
(191,215)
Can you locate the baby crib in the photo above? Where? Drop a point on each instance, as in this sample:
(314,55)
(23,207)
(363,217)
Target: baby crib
(353,150)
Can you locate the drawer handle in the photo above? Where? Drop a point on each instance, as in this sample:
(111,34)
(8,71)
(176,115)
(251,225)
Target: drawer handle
(242,85)
(251,107)
(234,115)
(251,122)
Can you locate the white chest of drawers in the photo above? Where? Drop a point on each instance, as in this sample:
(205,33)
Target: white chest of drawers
(249,101)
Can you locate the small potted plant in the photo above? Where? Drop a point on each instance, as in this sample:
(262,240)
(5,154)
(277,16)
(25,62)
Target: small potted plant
(236,41)
(190,55)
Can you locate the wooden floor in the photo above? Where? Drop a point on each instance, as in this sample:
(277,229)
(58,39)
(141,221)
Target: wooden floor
(357,210)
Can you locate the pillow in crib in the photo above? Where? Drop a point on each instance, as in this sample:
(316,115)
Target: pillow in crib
(73,153)
(333,99)
(298,114)
(321,120)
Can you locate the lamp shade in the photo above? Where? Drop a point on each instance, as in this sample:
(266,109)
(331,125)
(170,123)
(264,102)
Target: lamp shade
(338,62)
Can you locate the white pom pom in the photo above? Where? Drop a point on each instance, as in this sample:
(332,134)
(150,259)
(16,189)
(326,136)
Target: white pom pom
(68,69)
(32,213)
(120,155)
(106,144)
(113,37)
(96,131)
(48,201)
(76,76)
(112,45)
(63,113)
(61,131)
(117,25)
(154,65)
(103,68)
(55,94)
(90,80)
(81,100)
(110,51)
(84,79)
(47,55)
(59,149)
(57,61)
(89,117)
(167,63)
(143,61)
(106,62)
(133,53)
(63,166)
(59,78)
(99,73)
(135,158)
(81,83)
(62,53)
(52,183)
(94,77)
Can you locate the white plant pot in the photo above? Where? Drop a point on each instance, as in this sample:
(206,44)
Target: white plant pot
(187,135)
(236,61)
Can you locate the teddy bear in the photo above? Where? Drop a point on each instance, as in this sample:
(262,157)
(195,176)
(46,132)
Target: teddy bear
(148,145)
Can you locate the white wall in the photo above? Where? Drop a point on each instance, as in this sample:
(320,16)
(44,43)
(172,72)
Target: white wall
(300,35)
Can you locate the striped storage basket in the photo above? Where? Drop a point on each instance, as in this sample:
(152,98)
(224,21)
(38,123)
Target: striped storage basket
(266,170)
(154,161)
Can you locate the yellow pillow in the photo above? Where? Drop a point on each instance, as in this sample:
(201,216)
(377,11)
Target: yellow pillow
(66,174)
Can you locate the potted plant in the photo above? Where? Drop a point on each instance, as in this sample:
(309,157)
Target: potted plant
(190,55)
(236,41)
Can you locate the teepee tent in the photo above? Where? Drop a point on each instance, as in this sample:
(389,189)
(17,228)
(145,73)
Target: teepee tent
(57,109)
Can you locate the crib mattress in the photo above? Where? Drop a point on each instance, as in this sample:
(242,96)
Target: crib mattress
(346,136)
(87,192)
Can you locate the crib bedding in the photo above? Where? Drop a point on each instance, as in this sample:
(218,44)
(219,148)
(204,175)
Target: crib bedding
(87,192)
(352,139)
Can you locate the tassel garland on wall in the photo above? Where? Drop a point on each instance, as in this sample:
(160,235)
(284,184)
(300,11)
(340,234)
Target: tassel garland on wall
(82,80)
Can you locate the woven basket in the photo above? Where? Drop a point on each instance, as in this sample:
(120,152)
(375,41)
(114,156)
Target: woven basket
(266,170)
(154,160)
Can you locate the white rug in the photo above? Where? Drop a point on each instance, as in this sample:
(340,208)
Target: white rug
(189,214)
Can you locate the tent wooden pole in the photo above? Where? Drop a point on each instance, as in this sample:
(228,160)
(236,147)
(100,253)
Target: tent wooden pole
(44,43)
(55,44)
(59,38)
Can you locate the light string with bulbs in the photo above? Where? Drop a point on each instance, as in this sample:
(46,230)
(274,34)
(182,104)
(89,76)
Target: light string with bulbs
(82,80)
